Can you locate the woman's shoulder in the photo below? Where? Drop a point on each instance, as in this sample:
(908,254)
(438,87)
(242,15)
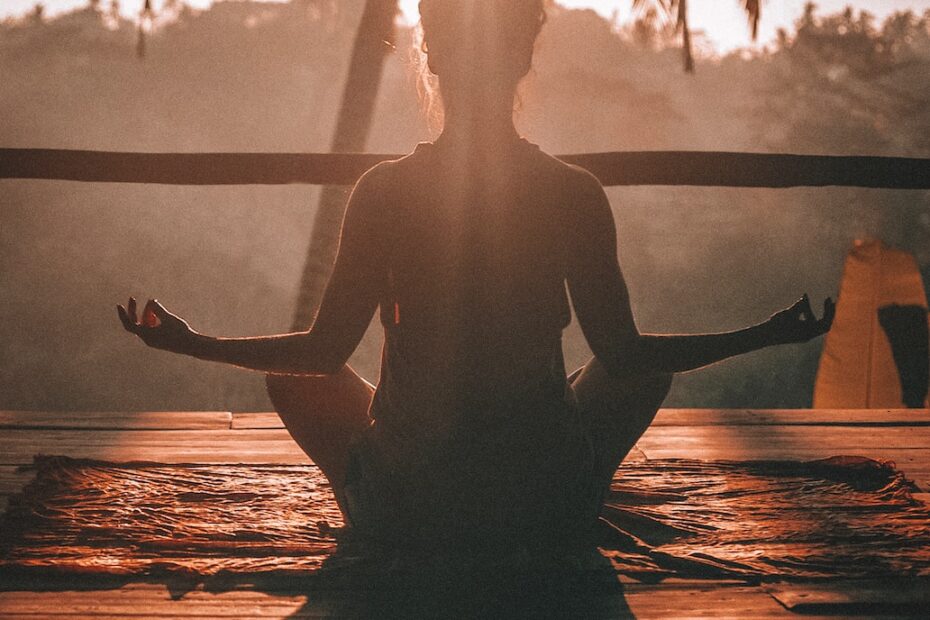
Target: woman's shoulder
(385,173)
(545,168)
(569,177)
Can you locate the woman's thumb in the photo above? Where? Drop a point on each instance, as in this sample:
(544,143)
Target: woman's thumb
(159,310)
(154,313)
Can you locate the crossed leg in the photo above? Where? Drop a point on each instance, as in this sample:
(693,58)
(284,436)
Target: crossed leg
(324,415)
(617,413)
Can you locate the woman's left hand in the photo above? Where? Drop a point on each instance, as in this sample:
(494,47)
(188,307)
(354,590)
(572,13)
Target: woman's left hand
(157,327)
(798,323)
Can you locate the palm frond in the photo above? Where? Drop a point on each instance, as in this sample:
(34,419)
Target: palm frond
(753,10)
(664,7)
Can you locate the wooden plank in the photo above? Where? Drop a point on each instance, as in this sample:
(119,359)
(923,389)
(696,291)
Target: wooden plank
(697,168)
(17,447)
(155,601)
(642,601)
(715,417)
(906,446)
(851,440)
(116,420)
(254,421)
(711,601)
(792,417)
(901,596)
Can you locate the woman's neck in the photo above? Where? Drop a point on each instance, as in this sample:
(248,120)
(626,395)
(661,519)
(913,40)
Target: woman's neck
(480,135)
(482,124)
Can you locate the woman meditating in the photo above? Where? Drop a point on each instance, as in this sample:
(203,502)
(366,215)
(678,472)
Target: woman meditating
(470,248)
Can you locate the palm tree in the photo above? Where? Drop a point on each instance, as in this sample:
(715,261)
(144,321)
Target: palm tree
(679,8)
(373,40)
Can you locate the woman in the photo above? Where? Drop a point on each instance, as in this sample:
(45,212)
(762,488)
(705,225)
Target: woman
(466,245)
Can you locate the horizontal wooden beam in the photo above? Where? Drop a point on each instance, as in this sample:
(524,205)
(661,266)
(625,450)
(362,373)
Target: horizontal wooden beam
(694,168)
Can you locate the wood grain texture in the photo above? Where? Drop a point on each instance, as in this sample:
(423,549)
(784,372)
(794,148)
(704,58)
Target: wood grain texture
(258,420)
(901,435)
(854,597)
(714,417)
(18,446)
(710,600)
(116,420)
(792,417)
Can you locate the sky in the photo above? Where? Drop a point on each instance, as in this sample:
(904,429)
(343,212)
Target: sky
(722,21)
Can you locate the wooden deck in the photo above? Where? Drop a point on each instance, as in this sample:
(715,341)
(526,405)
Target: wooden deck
(221,437)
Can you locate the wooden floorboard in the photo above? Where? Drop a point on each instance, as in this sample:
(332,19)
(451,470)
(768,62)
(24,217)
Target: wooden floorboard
(851,597)
(254,421)
(752,438)
(792,417)
(217,437)
(709,600)
(906,446)
(116,420)
(715,417)
(225,446)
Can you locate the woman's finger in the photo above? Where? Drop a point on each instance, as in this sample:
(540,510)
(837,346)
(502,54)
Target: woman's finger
(829,313)
(128,325)
(795,310)
(131,310)
(806,311)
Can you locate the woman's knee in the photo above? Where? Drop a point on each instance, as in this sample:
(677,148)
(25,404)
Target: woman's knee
(657,385)
(325,394)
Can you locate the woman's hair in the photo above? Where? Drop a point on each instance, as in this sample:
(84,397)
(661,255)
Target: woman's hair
(497,36)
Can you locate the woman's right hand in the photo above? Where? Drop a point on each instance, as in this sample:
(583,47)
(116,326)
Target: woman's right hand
(157,327)
(798,323)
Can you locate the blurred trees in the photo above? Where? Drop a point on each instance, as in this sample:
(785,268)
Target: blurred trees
(679,9)
(844,84)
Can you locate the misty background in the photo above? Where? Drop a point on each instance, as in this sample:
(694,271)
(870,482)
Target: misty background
(258,77)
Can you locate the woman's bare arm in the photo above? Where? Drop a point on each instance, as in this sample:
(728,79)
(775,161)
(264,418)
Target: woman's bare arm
(348,305)
(601,301)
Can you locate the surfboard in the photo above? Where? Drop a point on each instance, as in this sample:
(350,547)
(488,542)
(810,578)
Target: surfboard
(858,369)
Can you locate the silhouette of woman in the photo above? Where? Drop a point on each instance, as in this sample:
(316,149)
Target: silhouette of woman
(474,433)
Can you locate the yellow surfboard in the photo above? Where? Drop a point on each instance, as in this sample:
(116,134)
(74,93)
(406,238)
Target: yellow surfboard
(857,368)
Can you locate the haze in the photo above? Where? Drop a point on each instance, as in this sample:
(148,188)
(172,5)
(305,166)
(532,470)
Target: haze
(246,77)
(721,21)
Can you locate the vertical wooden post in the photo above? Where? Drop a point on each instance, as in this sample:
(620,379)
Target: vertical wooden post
(373,41)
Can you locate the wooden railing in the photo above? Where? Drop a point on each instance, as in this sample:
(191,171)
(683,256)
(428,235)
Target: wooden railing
(695,168)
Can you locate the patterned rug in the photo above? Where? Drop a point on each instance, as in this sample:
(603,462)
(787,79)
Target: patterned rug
(845,517)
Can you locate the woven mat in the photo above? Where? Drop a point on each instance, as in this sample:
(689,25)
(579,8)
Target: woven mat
(844,517)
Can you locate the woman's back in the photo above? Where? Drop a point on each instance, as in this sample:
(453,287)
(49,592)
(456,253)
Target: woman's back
(474,297)
(473,393)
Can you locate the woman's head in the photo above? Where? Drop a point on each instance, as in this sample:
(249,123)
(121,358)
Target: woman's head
(477,47)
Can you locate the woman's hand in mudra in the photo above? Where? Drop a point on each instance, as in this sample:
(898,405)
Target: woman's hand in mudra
(157,327)
(798,323)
